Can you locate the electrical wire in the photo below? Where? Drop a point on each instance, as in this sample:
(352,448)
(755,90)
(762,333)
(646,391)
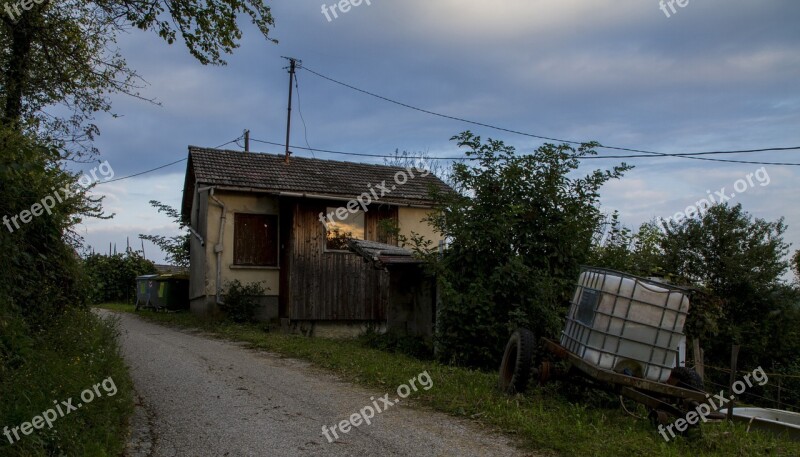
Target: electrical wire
(142,173)
(559,140)
(475,158)
(229,142)
(300,110)
(162,166)
(273,143)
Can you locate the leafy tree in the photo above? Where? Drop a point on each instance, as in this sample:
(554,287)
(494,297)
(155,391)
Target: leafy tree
(112,278)
(740,261)
(60,57)
(796,264)
(618,248)
(64,53)
(613,244)
(41,274)
(519,228)
(176,247)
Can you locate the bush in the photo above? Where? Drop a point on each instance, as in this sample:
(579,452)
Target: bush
(78,351)
(519,227)
(242,301)
(112,278)
(51,346)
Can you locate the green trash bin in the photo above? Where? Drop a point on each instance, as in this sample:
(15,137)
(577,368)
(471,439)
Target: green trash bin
(145,291)
(170,291)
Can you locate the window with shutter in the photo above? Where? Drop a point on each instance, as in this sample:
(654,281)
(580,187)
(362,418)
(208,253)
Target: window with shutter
(255,240)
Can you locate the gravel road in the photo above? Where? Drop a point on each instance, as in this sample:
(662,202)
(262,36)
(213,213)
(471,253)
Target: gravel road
(200,396)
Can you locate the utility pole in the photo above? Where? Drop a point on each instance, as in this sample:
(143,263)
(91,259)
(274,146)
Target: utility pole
(292,66)
(247,141)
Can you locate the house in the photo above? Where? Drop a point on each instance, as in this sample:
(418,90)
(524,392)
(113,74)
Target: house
(260,218)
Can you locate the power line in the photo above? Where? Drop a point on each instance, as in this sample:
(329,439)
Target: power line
(752,162)
(162,166)
(300,110)
(379,156)
(517,132)
(143,172)
(353,153)
(229,142)
(235,140)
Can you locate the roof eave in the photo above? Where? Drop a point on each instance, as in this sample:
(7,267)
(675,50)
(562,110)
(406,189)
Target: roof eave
(406,202)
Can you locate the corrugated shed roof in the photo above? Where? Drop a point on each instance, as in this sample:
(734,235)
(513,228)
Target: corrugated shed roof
(383,255)
(269,172)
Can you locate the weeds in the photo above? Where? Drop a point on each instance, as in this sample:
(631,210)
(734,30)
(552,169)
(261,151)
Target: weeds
(78,351)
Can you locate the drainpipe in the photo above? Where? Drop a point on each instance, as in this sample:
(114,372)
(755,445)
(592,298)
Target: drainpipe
(197,235)
(218,248)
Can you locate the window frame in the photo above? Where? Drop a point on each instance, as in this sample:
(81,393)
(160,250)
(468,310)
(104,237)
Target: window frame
(332,209)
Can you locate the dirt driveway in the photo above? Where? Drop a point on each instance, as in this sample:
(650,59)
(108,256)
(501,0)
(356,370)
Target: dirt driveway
(200,396)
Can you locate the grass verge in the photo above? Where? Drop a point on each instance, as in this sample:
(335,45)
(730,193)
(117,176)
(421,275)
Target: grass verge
(74,353)
(545,420)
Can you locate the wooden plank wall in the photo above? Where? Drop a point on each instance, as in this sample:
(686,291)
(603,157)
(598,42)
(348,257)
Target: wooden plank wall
(333,285)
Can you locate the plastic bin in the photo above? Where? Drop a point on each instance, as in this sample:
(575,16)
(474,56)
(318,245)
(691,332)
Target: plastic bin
(626,324)
(144,290)
(171,292)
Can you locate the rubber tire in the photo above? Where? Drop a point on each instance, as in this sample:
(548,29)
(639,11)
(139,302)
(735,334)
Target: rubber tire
(517,364)
(687,379)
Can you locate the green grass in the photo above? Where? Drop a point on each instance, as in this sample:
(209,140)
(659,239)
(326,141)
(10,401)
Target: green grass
(74,353)
(547,420)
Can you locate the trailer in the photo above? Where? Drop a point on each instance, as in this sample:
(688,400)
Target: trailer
(622,335)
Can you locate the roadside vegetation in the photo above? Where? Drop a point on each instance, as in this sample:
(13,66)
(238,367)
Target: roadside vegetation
(59,69)
(556,420)
(52,346)
(76,352)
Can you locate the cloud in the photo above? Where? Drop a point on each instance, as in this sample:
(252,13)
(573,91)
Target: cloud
(718,75)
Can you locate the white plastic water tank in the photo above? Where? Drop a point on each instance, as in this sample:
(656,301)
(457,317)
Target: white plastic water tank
(627,324)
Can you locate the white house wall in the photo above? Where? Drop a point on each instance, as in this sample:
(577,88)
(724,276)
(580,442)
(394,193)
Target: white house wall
(236,203)
(411,220)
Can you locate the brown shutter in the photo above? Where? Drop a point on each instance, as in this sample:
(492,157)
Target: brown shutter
(255,240)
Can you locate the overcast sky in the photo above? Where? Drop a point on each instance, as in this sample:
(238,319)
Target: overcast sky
(714,75)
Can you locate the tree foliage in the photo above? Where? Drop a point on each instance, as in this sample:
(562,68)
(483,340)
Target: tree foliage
(619,248)
(519,228)
(741,260)
(59,66)
(41,273)
(796,264)
(64,53)
(176,248)
(736,264)
(112,278)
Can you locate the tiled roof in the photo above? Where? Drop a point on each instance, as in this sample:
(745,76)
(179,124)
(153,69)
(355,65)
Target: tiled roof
(269,172)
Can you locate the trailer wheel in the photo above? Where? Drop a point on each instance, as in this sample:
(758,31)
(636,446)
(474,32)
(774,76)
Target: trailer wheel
(515,369)
(686,378)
